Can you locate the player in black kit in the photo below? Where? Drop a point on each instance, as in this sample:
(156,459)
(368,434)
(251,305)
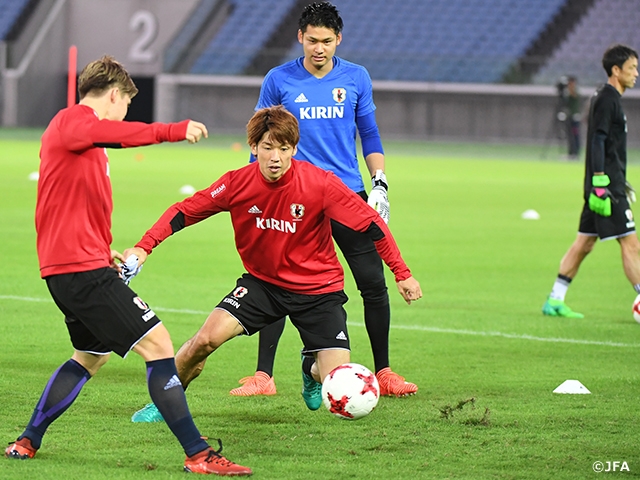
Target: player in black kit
(607,195)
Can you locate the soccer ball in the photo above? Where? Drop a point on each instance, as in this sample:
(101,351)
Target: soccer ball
(350,391)
(636,309)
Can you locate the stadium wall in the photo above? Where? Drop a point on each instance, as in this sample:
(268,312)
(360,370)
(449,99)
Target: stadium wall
(405,110)
(137,32)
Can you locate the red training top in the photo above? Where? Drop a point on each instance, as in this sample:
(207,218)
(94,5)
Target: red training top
(74,204)
(282,229)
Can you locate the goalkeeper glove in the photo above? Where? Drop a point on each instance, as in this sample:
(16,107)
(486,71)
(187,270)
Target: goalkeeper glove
(600,197)
(630,191)
(130,269)
(378,195)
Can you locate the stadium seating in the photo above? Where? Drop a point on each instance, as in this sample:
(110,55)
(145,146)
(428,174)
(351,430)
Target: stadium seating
(440,40)
(608,22)
(10,11)
(427,40)
(250,25)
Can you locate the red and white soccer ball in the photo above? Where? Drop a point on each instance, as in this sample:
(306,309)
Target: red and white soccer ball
(636,309)
(350,391)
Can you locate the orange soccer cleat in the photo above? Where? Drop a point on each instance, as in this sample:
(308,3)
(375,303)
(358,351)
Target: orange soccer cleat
(210,461)
(259,384)
(20,449)
(393,385)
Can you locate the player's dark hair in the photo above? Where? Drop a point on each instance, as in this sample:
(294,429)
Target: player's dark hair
(321,14)
(616,56)
(102,74)
(281,125)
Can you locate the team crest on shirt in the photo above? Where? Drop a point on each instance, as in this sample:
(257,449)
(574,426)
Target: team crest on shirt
(339,94)
(297,210)
(240,292)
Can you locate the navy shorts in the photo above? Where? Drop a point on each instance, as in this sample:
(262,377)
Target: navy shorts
(320,319)
(102,314)
(619,224)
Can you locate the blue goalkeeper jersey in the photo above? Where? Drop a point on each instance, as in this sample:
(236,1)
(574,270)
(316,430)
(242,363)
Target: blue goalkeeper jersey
(326,109)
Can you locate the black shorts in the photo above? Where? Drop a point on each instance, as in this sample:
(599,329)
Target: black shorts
(619,224)
(320,319)
(102,314)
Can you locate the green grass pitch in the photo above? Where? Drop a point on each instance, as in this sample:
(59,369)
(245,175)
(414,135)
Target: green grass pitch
(485,358)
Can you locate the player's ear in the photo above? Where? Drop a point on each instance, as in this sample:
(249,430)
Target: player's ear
(254,150)
(295,150)
(338,39)
(299,35)
(615,71)
(113,94)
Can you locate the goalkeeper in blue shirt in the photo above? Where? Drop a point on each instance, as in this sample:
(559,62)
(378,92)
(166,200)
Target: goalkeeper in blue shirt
(331,98)
(607,195)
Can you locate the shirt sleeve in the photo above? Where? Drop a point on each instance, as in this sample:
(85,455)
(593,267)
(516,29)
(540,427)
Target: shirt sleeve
(345,206)
(369,134)
(365,104)
(80,132)
(603,112)
(200,206)
(269,93)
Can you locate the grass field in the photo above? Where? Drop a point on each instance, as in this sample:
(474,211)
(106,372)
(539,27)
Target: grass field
(484,357)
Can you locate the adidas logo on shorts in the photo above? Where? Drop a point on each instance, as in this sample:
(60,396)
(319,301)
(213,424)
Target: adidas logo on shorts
(341,336)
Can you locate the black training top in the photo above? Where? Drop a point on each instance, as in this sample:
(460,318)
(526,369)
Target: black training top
(606,140)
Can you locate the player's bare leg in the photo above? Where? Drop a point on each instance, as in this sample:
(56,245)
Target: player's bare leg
(327,360)
(581,247)
(569,266)
(315,369)
(630,250)
(191,357)
(217,329)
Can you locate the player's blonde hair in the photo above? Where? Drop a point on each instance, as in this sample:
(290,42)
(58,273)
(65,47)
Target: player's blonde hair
(102,74)
(281,125)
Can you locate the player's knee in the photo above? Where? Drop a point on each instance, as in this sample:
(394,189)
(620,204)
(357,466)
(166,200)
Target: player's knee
(91,362)
(586,245)
(375,293)
(630,248)
(102,359)
(207,343)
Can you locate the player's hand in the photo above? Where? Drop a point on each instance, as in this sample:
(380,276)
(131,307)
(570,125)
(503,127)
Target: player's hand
(195,131)
(115,255)
(130,268)
(409,289)
(138,252)
(378,196)
(630,192)
(600,196)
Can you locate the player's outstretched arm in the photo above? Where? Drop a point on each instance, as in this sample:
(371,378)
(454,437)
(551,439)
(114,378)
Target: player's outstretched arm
(195,131)
(409,289)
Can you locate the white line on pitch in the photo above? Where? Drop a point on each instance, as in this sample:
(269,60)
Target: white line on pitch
(421,328)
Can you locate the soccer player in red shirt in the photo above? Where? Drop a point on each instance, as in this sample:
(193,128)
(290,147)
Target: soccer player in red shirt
(73,225)
(281,210)
(333,102)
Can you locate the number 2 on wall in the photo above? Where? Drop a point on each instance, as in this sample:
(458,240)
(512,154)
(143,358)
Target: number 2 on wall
(145,22)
